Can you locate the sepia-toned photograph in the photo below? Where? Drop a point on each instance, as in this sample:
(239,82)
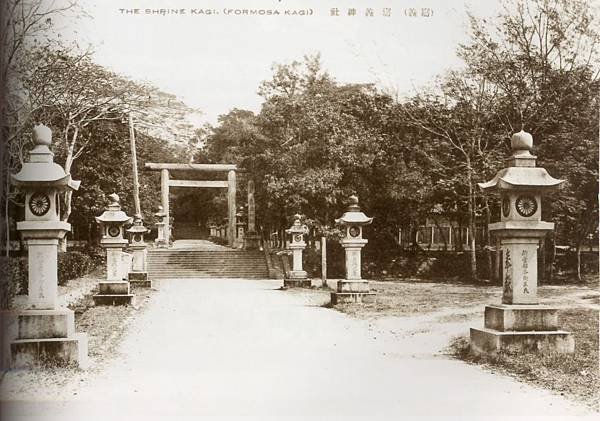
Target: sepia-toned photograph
(299,210)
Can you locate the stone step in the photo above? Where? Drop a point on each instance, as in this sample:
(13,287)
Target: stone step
(206,264)
(113,300)
(40,324)
(27,353)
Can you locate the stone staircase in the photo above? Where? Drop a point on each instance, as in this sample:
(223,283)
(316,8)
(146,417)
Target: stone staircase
(226,263)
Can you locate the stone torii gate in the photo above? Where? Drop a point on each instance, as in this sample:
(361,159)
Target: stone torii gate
(230,184)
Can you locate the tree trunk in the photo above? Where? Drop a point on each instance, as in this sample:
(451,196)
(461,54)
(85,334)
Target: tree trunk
(488,240)
(6,215)
(542,254)
(471,210)
(67,196)
(550,276)
(498,263)
(578,261)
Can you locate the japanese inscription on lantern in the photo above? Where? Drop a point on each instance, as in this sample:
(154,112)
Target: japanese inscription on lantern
(525,257)
(507,274)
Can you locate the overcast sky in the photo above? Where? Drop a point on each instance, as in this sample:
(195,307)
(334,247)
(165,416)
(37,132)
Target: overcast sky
(216,62)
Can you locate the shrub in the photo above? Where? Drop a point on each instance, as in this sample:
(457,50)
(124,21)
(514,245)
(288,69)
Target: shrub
(13,279)
(14,273)
(73,265)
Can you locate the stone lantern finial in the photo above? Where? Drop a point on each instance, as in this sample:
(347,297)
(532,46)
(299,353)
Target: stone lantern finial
(42,135)
(521,141)
(353,203)
(114,198)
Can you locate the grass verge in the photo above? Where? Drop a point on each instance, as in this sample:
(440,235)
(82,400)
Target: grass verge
(104,326)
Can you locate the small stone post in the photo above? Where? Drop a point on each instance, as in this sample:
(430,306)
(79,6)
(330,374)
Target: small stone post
(161,238)
(520,322)
(231,207)
(353,289)
(139,270)
(297,276)
(115,290)
(44,332)
(251,238)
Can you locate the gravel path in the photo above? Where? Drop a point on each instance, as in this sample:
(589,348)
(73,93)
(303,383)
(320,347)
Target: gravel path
(230,349)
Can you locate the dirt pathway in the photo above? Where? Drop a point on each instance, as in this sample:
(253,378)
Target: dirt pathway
(230,349)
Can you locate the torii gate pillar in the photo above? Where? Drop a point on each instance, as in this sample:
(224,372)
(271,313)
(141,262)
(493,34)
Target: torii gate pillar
(164,198)
(231,191)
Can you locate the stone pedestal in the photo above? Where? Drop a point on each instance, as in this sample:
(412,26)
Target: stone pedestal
(113,293)
(522,328)
(46,337)
(297,277)
(251,241)
(353,289)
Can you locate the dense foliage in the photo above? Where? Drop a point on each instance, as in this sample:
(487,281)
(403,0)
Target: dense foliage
(315,141)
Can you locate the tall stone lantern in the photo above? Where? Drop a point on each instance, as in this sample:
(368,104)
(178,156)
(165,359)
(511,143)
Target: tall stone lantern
(45,332)
(139,271)
(520,322)
(353,289)
(297,276)
(115,289)
(161,238)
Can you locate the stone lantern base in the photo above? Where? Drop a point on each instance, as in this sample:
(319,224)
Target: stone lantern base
(297,279)
(251,241)
(45,337)
(352,291)
(522,328)
(113,293)
(139,279)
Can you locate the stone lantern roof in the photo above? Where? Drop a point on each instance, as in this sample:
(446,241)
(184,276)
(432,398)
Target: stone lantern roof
(138,225)
(297,227)
(353,215)
(522,174)
(41,170)
(113,212)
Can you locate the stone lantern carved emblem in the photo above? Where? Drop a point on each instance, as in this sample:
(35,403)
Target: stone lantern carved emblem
(520,322)
(526,205)
(39,204)
(505,206)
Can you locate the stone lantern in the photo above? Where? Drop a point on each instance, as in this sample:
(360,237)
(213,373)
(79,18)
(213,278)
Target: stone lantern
(297,276)
(520,322)
(115,290)
(239,230)
(353,289)
(139,272)
(44,331)
(161,238)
